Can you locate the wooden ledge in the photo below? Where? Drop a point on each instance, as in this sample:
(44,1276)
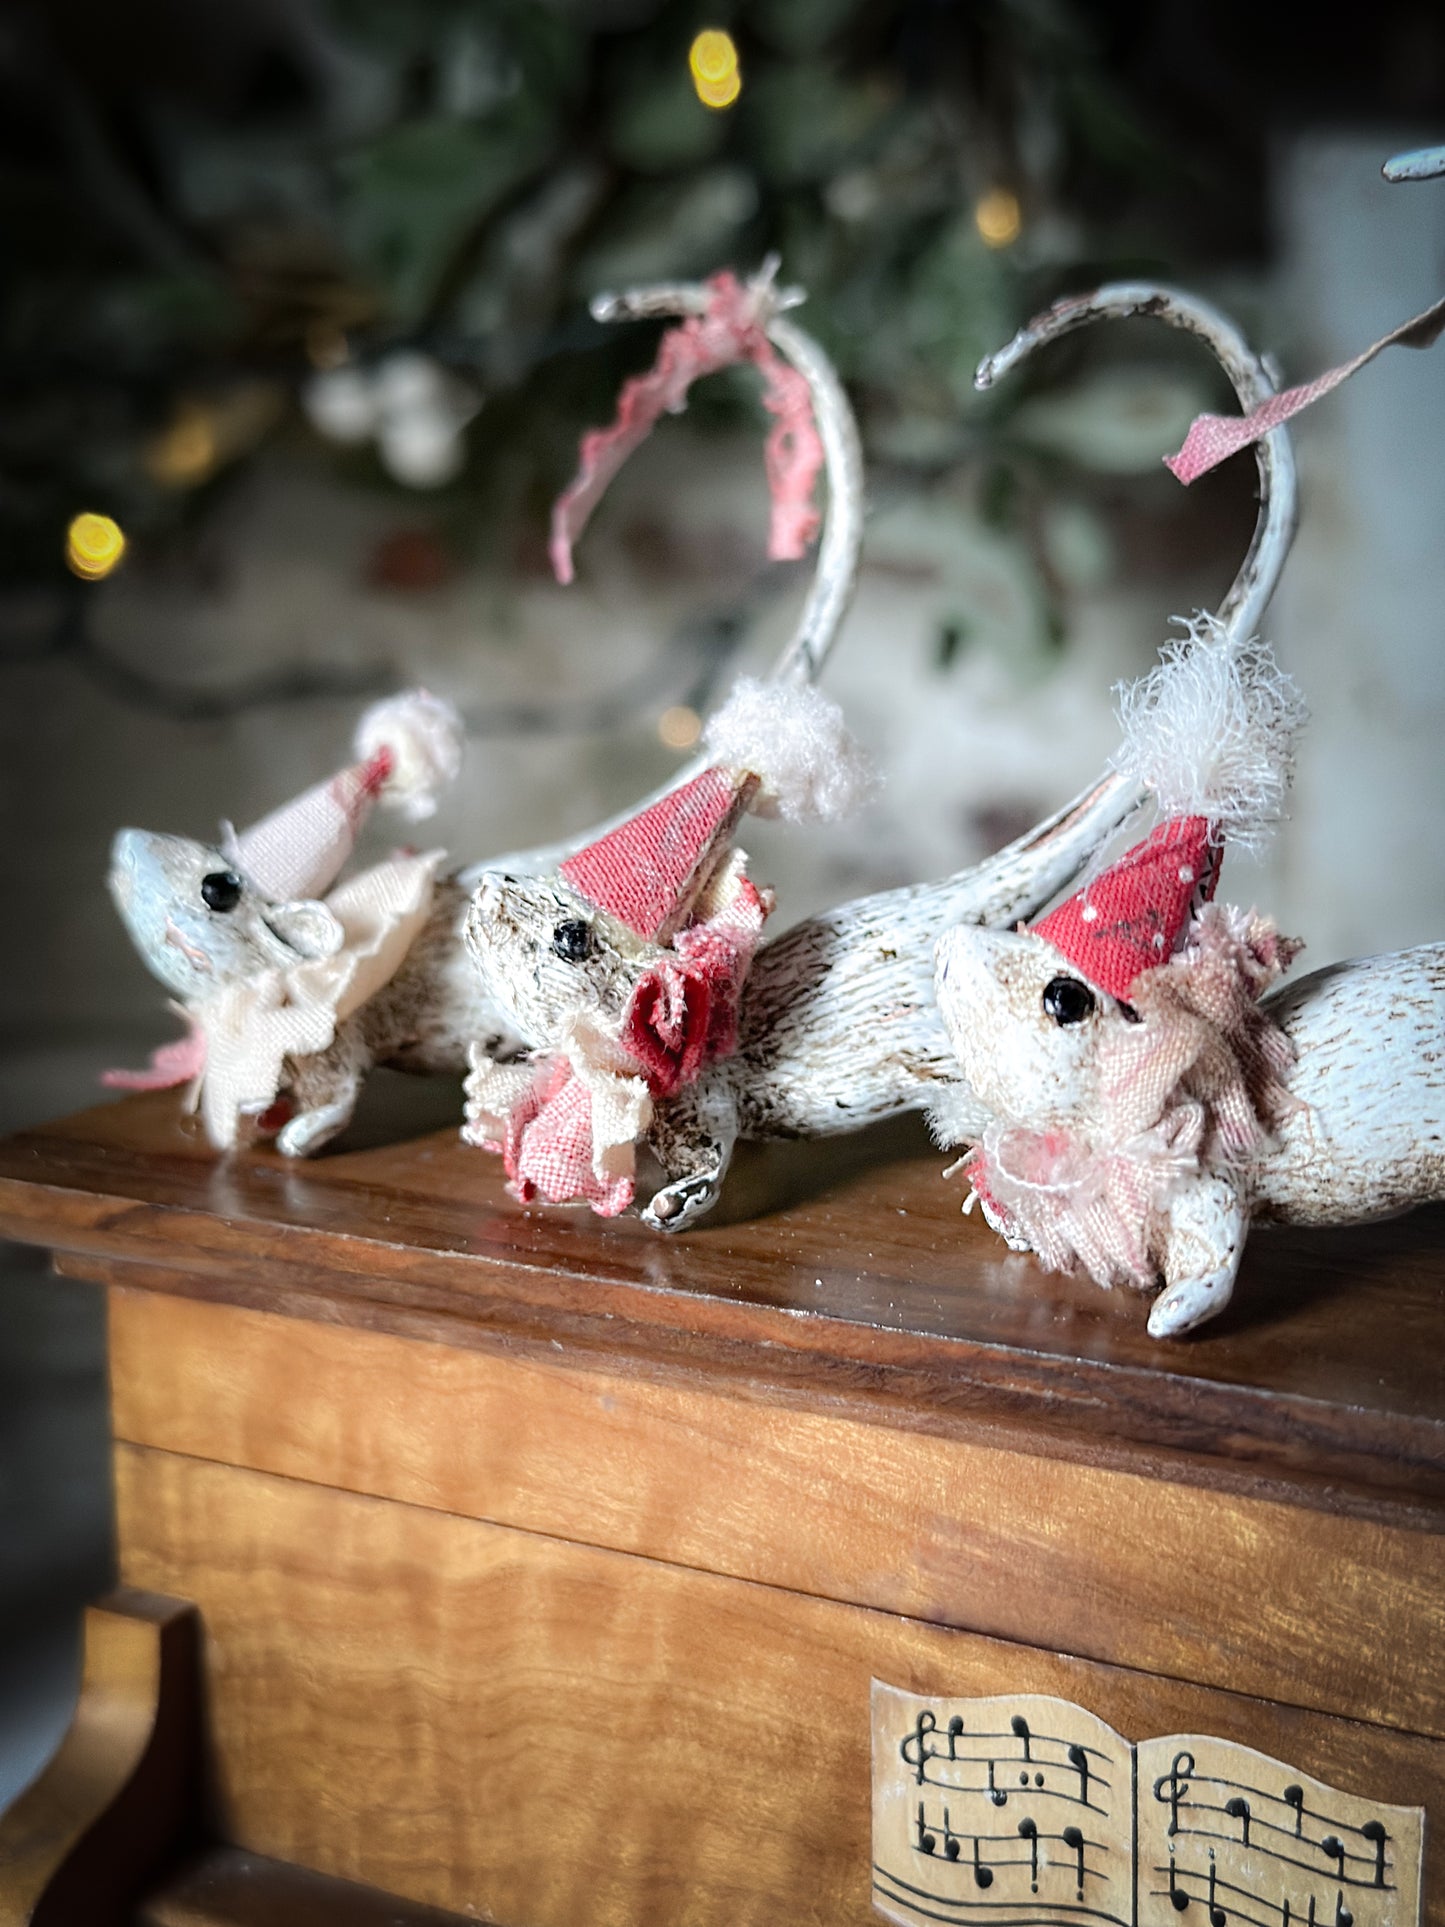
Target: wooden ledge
(839,1274)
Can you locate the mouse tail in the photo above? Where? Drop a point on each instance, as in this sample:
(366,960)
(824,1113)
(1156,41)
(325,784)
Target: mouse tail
(1242,610)
(721,323)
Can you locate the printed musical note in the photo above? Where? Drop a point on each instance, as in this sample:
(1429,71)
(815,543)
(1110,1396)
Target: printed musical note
(983,1877)
(1343,1916)
(926,1840)
(996,1793)
(1374,1832)
(1217,1915)
(1029,1831)
(1334,1847)
(1073,1838)
(1239,1809)
(1177,1779)
(955,1728)
(1294,1796)
(1020,1727)
(1178,1899)
(1080,1759)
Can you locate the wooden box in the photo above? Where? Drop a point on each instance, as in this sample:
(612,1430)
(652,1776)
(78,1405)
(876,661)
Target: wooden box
(540,1566)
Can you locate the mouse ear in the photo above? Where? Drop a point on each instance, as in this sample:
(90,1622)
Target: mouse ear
(307,927)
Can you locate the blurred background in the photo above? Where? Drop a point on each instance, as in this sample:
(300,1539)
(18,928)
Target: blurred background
(294,308)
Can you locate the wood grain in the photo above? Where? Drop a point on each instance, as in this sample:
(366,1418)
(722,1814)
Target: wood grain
(848,1274)
(1228,1590)
(534,1732)
(122,1792)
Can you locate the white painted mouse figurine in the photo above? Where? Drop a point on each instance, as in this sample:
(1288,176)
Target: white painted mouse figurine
(293,985)
(623,970)
(1148,1099)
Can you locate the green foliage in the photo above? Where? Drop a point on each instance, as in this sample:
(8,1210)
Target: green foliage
(463,174)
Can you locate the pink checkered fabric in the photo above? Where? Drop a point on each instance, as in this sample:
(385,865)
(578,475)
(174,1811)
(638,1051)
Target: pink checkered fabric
(547,1151)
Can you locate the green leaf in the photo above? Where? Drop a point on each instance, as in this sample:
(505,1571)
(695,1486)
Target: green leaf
(411,197)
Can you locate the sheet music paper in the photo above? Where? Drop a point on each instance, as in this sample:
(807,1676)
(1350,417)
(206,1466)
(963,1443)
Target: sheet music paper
(1024,1811)
(1010,1810)
(1230,1838)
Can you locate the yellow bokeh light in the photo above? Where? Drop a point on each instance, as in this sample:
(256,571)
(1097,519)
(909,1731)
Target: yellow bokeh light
(679,727)
(713,61)
(94,544)
(998,217)
(186,453)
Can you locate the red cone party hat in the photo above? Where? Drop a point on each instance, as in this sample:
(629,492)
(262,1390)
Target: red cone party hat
(778,751)
(1210,734)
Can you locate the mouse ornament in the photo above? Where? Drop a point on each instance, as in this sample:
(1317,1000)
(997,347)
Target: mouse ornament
(1148,1098)
(292,984)
(624,969)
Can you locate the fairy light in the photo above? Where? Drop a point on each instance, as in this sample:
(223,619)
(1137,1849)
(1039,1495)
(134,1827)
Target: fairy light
(94,545)
(679,727)
(998,217)
(186,453)
(713,61)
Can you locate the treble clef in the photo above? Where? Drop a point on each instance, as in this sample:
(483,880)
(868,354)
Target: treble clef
(917,1740)
(1177,1781)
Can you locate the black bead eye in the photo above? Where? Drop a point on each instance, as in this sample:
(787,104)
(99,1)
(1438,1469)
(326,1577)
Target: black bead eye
(221,890)
(572,941)
(1068,1001)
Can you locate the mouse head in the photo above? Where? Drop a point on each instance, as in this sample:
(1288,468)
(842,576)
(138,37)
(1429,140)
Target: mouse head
(206,915)
(1027,1011)
(662,897)
(548,955)
(1026,1026)
(199,923)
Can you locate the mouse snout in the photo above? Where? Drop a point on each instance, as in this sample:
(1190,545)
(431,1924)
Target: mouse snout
(127,850)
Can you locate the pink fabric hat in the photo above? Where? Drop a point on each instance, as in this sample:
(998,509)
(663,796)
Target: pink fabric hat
(1209,735)
(407,747)
(778,751)
(648,872)
(1135,914)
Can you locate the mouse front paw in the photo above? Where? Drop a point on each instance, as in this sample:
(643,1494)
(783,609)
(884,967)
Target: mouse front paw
(680,1204)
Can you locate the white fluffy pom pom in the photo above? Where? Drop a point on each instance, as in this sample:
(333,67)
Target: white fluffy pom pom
(795,740)
(1211,731)
(423,734)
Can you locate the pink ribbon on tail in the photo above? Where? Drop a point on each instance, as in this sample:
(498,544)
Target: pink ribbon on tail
(1213,438)
(728,332)
(179,1062)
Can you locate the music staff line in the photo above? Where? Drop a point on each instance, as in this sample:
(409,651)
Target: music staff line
(919,1751)
(1050,1912)
(1282,1913)
(1182,1778)
(983,1866)
(1373,1885)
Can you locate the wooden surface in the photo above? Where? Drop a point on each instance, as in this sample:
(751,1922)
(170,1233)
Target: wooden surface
(1225,1588)
(541,1734)
(122,1794)
(226,1887)
(837,1272)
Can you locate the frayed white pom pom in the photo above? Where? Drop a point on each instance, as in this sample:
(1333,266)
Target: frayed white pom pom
(1211,731)
(423,735)
(794,739)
